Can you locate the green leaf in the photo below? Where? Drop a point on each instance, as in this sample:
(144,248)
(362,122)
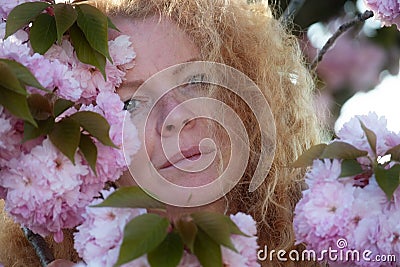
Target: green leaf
(65,136)
(350,167)
(371,136)
(307,158)
(207,251)
(23,74)
(16,104)
(95,124)
(9,80)
(43,33)
(395,153)
(65,16)
(187,230)
(85,52)
(168,253)
(111,25)
(61,105)
(39,106)
(142,235)
(233,228)
(94,24)
(214,225)
(342,150)
(131,197)
(32,132)
(89,150)
(388,180)
(22,14)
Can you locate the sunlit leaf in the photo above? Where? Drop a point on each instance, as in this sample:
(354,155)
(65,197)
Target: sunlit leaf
(207,251)
(342,150)
(22,14)
(111,25)
(94,24)
(215,226)
(9,80)
(388,180)
(142,235)
(85,52)
(65,136)
(95,124)
(16,104)
(40,106)
(89,150)
(187,230)
(131,197)
(65,16)
(43,33)
(307,158)
(350,167)
(61,105)
(371,136)
(32,132)
(23,73)
(168,253)
(395,153)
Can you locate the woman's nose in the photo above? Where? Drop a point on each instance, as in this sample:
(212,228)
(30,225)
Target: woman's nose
(173,116)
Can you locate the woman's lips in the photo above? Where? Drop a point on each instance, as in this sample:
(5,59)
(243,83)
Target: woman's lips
(185,157)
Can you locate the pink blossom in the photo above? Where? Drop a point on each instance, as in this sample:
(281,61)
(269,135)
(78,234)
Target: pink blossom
(121,50)
(333,208)
(10,138)
(323,171)
(352,133)
(387,11)
(246,246)
(326,209)
(43,189)
(100,235)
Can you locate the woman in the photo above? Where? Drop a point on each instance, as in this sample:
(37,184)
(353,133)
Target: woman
(247,38)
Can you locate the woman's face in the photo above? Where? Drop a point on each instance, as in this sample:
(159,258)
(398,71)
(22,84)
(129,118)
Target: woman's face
(160,44)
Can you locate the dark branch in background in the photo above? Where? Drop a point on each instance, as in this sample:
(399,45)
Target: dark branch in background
(361,18)
(39,244)
(291,10)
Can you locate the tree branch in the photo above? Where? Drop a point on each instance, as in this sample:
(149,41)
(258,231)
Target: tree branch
(361,18)
(291,10)
(39,244)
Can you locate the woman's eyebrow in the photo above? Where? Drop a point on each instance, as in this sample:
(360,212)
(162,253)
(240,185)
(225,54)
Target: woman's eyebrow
(181,67)
(135,84)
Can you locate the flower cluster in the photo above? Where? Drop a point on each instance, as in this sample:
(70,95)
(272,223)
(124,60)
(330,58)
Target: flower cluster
(99,238)
(387,11)
(354,207)
(42,188)
(100,235)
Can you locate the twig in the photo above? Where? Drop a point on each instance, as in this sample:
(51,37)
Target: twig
(291,10)
(39,244)
(342,29)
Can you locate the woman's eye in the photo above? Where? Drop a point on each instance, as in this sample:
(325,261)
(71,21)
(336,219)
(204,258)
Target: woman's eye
(132,104)
(198,78)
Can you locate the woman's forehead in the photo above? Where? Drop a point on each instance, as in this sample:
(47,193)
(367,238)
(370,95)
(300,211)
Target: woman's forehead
(158,44)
